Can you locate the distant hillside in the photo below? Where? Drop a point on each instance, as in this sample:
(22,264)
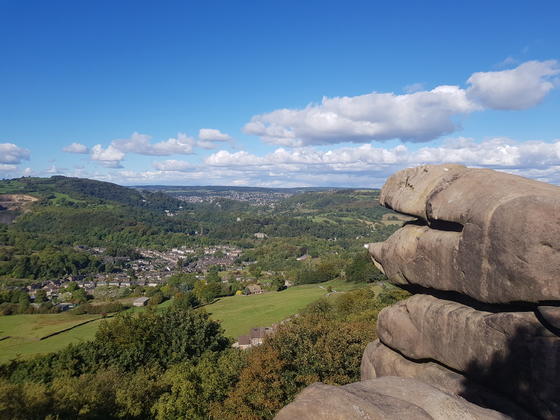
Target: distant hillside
(73,211)
(64,212)
(218,188)
(86,190)
(339,202)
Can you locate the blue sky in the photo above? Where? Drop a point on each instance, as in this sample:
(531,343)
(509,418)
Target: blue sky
(285,93)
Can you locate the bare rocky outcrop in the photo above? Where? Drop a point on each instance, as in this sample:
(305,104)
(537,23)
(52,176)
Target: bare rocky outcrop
(379,361)
(382,398)
(456,335)
(484,258)
(486,234)
(509,352)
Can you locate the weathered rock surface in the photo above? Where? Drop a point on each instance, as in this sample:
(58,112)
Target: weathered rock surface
(551,315)
(489,235)
(510,352)
(382,398)
(379,361)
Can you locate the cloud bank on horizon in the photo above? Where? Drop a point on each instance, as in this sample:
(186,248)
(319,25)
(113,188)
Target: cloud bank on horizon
(363,165)
(415,118)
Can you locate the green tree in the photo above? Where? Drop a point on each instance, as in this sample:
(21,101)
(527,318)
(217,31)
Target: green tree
(255,270)
(158,337)
(79,296)
(86,396)
(360,269)
(213,277)
(182,281)
(308,349)
(186,300)
(40,296)
(139,392)
(25,401)
(278,284)
(207,292)
(23,268)
(23,303)
(194,389)
(72,286)
(156,298)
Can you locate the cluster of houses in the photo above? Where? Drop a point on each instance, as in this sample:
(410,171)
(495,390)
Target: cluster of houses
(218,255)
(153,261)
(155,265)
(152,269)
(255,198)
(53,288)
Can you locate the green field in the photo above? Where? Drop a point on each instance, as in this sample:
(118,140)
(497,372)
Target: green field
(25,333)
(237,313)
(240,313)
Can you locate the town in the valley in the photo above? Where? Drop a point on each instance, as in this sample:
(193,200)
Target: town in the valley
(151,269)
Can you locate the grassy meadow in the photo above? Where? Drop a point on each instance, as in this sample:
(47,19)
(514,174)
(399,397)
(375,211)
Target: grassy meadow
(27,334)
(22,336)
(240,313)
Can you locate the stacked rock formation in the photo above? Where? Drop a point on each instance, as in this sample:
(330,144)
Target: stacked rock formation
(483,327)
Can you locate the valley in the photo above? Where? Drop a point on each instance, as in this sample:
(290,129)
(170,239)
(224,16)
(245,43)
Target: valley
(83,250)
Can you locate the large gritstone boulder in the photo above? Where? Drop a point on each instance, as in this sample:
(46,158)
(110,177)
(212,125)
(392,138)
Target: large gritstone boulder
(379,361)
(486,234)
(484,254)
(510,352)
(386,398)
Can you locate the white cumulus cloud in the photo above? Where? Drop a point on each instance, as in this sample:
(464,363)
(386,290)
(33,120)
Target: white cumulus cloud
(366,165)
(419,116)
(140,144)
(76,148)
(356,166)
(110,157)
(211,134)
(520,88)
(173,166)
(7,167)
(13,155)
(54,170)
(209,138)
